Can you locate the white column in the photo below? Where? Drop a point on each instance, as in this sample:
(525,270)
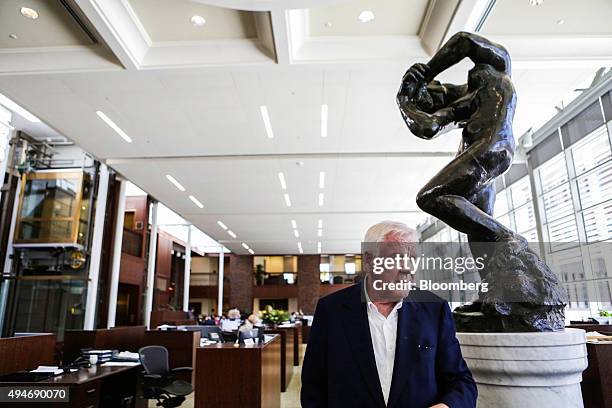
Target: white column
(96,249)
(220,284)
(187,271)
(8,260)
(151,266)
(116,265)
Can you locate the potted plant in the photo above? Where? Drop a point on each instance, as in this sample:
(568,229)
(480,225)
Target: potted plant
(273,317)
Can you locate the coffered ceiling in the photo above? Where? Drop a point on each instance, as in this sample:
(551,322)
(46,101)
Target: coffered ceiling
(201,102)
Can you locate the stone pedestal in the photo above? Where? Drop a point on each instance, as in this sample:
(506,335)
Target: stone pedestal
(527,370)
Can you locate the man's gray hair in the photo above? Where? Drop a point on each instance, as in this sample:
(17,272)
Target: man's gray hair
(391,231)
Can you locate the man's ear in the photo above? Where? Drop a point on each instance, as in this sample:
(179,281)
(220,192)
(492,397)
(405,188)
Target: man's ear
(367,260)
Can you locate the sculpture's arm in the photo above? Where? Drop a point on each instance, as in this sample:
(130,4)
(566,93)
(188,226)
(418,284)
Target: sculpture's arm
(428,125)
(425,125)
(467,45)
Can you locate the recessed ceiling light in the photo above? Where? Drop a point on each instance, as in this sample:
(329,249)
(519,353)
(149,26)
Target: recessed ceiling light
(231,234)
(245,246)
(114,126)
(222,225)
(293,224)
(287,199)
(320,224)
(299,245)
(321,199)
(536,2)
(321,179)
(29,13)
(13,36)
(560,22)
(266,120)
(367,15)
(319,247)
(328,24)
(175,182)
(196,201)
(281,178)
(296,233)
(198,21)
(251,251)
(319,232)
(324,112)
(10,105)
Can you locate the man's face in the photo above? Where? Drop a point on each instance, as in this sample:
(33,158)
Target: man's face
(388,263)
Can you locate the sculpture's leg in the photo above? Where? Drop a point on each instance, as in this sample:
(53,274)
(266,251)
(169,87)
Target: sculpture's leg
(485,201)
(446,196)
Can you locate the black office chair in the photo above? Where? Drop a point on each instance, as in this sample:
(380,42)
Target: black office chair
(159,382)
(212,333)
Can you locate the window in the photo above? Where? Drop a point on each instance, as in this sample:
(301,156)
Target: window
(596,186)
(591,151)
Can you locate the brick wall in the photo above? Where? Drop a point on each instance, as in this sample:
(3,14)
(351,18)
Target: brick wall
(241,282)
(308,282)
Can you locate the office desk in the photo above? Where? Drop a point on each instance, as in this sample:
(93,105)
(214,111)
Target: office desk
(245,376)
(286,355)
(27,352)
(181,347)
(597,378)
(95,387)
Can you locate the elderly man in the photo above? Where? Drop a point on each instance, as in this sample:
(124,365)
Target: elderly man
(385,349)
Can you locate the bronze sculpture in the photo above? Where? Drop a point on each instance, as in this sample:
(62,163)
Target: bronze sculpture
(525,295)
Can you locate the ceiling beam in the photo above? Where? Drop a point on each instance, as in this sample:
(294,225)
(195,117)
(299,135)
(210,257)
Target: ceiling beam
(117,24)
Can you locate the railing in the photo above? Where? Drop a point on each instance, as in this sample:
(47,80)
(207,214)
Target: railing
(132,242)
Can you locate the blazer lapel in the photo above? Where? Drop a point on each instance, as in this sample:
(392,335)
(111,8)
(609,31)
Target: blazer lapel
(360,342)
(407,327)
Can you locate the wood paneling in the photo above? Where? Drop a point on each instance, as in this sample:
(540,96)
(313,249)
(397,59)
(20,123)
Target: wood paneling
(132,269)
(275,291)
(27,352)
(597,378)
(245,376)
(286,361)
(128,338)
(174,318)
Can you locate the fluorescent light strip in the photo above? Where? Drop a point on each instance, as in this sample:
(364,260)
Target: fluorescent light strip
(281,178)
(319,247)
(251,251)
(324,114)
(222,225)
(245,246)
(321,179)
(321,199)
(320,224)
(114,126)
(196,201)
(231,234)
(299,245)
(296,233)
(287,200)
(293,224)
(175,182)
(266,119)
(10,105)
(320,232)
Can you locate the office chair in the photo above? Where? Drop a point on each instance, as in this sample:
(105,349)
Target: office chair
(159,382)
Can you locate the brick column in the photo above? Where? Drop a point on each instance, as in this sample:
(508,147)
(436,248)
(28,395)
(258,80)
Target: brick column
(308,282)
(241,282)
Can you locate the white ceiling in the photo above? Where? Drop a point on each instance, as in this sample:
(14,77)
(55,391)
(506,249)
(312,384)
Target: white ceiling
(54,27)
(552,17)
(192,108)
(169,20)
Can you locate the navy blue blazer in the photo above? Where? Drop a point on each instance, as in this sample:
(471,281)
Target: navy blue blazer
(339,368)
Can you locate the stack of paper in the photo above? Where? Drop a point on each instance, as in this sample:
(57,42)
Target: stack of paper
(55,370)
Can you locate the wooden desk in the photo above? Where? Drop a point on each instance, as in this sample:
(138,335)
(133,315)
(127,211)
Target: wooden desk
(181,347)
(286,356)
(128,338)
(245,376)
(95,387)
(27,352)
(597,378)
(297,344)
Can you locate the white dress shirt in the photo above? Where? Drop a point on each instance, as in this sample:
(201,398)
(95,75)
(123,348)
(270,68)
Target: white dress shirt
(384,332)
